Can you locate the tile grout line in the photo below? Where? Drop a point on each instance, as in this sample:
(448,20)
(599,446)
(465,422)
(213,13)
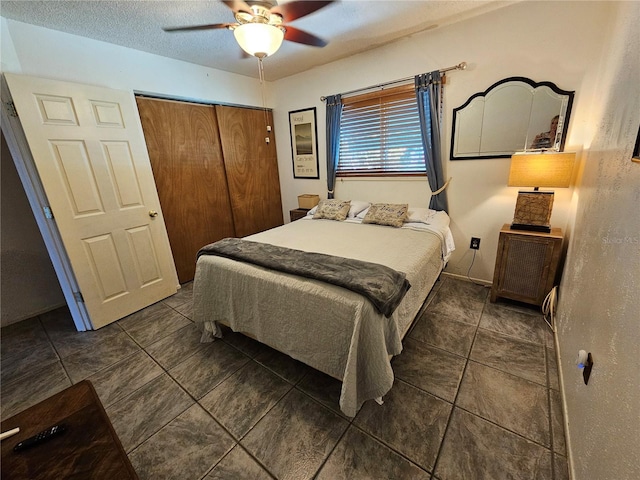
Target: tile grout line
(324,462)
(453,407)
(165,371)
(550,412)
(197,402)
(147,383)
(503,427)
(351,421)
(239,443)
(46,332)
(478,328)
(550,449)
(390,447)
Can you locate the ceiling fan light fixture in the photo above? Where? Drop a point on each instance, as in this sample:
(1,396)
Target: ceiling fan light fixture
(259,39)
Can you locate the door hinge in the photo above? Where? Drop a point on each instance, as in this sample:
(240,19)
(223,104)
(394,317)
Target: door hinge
(78,296)
(11,109)
(47,212)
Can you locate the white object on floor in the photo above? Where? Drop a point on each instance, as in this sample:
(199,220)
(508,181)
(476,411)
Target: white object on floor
(9,433)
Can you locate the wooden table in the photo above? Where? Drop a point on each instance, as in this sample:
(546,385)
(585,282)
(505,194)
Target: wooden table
(526,264)
(88,449)
(298,213)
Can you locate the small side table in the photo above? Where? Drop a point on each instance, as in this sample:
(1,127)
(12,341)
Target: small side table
(298,213)
(526,264)
(89,448)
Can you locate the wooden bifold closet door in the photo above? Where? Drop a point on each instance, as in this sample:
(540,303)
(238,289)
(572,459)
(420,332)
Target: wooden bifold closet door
(186,158)
(216,175)
(252,168)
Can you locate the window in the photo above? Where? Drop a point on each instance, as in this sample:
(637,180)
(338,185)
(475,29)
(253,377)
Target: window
(380,134)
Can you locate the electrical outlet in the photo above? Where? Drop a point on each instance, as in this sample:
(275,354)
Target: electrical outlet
(475,243)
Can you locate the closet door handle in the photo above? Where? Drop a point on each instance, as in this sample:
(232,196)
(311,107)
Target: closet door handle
(153,213)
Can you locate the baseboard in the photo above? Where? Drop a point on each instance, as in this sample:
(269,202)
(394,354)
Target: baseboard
(565,416)
(32,314)
(467,279)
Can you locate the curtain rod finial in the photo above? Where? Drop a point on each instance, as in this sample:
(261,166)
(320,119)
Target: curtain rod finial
(462,66)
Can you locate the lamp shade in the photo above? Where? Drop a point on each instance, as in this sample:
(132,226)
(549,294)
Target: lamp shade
(259,39)
(541,169)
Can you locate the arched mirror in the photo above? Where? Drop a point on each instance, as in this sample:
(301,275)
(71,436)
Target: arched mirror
(514,114)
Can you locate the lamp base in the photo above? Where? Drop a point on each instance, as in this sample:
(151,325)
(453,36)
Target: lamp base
(531,228)
(533,212)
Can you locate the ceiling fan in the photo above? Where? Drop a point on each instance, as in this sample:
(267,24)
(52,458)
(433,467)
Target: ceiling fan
(263,25)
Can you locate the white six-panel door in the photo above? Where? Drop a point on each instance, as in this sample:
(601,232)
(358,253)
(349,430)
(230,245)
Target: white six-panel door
(89,149)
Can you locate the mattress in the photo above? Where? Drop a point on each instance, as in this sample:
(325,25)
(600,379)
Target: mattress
(327,327)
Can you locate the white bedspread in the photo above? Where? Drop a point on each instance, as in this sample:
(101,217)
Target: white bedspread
(327,327)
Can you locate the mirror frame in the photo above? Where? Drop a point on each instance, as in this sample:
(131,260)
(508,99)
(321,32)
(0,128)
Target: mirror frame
(552,86)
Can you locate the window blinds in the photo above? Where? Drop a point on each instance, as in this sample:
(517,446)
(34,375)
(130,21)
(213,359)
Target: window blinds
(380,134)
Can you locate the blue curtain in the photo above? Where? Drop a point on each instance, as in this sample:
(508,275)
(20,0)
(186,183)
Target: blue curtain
(429,96)
(334,112)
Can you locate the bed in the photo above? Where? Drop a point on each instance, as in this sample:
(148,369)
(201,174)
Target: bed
(327,327)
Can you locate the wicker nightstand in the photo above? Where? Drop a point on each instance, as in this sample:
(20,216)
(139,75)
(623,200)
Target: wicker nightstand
(526,264)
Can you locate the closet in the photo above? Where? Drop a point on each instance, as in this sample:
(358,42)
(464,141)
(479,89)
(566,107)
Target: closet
(216,174)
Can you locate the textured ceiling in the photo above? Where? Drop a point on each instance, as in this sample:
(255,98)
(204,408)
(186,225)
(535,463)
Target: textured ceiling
(350,27)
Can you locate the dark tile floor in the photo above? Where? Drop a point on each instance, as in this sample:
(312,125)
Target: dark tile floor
(476,396)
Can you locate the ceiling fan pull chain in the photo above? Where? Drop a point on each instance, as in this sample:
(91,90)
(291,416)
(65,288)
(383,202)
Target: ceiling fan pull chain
(262,86)
(261,72)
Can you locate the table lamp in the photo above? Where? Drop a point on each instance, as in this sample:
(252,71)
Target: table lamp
(533,208)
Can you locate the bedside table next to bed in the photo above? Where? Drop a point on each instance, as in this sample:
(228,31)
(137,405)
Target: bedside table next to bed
(526,264)
(298,213)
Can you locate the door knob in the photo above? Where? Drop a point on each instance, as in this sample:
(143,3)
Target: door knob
(153,213)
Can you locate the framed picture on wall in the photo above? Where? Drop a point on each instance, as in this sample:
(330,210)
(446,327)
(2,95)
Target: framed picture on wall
(304,143)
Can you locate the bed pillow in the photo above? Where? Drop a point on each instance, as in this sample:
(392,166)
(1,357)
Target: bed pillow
(419,215)
(363,213)
(333,209)
(357,206)
(356,209)
(392,214)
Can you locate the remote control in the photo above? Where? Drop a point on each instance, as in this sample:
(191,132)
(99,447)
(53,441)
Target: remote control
(39,438)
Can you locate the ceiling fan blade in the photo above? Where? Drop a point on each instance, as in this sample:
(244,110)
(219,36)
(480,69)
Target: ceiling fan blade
(237,6)
(300,36)
(212,26)
(298,8)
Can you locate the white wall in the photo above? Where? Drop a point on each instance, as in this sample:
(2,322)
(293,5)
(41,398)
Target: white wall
(599,308)
(9,58)
(519,40)
(28,283)
(51,54)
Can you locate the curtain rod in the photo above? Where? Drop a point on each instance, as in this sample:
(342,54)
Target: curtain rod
(460,66)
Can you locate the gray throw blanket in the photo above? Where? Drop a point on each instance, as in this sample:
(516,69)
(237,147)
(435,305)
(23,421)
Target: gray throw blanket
(382,285)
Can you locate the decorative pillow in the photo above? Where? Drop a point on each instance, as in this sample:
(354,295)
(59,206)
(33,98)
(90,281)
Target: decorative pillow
(419,215)
(357,206)
(333,209)
(392,214)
